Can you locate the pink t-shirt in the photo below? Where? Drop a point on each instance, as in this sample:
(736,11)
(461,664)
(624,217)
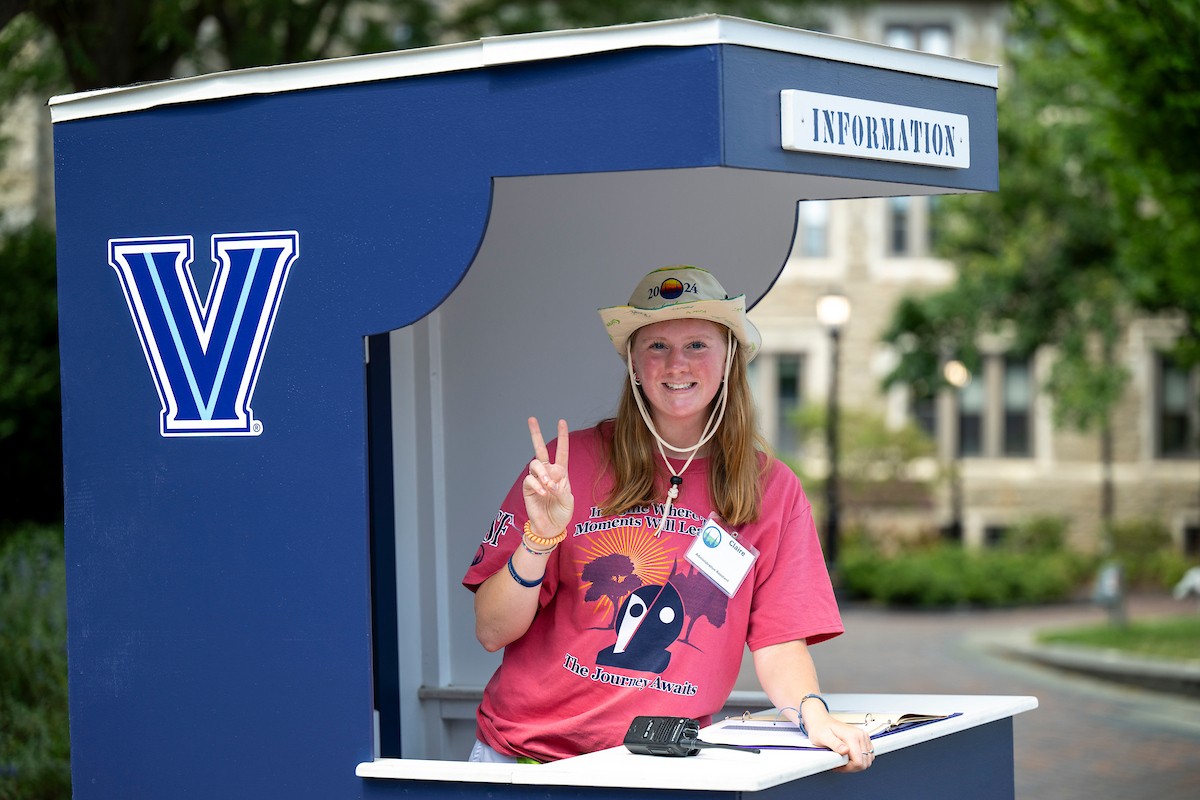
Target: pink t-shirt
(628,626)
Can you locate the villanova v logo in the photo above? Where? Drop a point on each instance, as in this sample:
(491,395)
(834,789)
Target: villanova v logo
(205,352)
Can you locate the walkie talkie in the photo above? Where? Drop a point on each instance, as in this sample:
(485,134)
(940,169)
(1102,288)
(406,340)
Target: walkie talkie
(668,736)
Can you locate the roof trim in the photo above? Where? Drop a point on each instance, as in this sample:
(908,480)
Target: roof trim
(707,29)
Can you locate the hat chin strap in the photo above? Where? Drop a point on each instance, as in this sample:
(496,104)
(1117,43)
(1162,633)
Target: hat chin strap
(710,427)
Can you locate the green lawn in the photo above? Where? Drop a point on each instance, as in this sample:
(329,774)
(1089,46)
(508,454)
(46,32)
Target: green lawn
(1176,638)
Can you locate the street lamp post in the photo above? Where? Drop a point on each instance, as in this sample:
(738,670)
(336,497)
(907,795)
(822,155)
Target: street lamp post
(833,311)
(958,376)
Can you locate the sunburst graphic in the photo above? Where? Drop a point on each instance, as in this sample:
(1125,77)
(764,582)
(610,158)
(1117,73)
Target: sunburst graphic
(651,562)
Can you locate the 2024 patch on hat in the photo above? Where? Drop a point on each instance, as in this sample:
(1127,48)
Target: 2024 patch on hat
(680,292)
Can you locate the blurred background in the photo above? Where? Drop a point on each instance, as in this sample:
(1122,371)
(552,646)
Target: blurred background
(994,400)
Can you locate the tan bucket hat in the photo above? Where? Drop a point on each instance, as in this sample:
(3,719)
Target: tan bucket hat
(680,292)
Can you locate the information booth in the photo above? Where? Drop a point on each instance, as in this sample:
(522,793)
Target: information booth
(292,307)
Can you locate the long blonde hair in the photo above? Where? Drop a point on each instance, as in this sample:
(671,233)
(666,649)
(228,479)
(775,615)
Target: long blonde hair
(735,462)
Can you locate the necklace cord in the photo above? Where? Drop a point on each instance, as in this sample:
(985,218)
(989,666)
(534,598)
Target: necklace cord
(710,428)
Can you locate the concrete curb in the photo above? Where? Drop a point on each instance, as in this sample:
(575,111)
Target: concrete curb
(1177,677)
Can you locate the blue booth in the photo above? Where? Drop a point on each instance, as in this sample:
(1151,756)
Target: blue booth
(292,304)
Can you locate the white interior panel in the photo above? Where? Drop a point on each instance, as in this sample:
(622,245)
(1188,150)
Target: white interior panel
(520,337)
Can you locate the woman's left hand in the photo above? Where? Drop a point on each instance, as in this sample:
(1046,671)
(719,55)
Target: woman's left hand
(844,739)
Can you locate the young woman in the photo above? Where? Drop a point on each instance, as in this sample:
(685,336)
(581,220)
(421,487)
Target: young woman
(631,565)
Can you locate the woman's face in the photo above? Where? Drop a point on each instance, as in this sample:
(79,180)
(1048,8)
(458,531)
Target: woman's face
(680,363)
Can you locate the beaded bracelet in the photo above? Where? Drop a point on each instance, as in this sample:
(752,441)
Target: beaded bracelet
(533,552)
(541,541)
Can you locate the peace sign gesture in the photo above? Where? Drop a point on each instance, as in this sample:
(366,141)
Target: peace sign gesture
(547,488)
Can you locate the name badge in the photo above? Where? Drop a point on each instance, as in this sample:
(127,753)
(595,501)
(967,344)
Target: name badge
(721,557)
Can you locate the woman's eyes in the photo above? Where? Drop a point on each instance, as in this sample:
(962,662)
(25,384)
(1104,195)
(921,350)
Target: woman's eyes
(696,345)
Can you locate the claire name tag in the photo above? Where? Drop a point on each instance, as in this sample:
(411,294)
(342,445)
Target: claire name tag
(721,557)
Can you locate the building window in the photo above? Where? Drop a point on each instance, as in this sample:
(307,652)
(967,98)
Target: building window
(1177,409)
(1017,400)
(994,535)
(911,227)
(1192,541)
(814,229)
(995,410)
(970,418)
(936,38)
(789,394)
(933,230)
(898,219)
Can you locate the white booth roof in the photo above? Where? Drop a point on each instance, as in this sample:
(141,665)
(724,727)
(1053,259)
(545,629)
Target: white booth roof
(709,29)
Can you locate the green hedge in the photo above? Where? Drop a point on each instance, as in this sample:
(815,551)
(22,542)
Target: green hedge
(947,575)
(34,736)
(1147,555)
(1030,565)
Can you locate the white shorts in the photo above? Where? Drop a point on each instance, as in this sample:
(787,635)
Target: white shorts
(482,753)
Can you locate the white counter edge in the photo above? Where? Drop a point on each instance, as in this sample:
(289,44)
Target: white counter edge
(618,768)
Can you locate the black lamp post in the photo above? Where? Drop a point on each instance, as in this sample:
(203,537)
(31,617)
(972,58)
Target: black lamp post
(958,376)
(833,311)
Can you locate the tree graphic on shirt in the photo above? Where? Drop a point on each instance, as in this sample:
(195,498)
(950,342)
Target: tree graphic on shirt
(701,598)
(610,576)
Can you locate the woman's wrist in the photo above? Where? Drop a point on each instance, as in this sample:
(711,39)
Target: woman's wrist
(527,582)
(542,543)
(815,706)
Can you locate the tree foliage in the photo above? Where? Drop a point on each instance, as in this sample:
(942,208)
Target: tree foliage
(121,42)
(30,417)
(1142,52)
(497,17)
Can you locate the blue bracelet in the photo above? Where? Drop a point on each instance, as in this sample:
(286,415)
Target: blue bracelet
(527,584)
(800,707)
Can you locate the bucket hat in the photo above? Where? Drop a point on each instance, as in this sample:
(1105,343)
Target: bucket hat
(680,292)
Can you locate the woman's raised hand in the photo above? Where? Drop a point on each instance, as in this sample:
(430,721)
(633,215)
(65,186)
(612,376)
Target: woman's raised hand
(547,488)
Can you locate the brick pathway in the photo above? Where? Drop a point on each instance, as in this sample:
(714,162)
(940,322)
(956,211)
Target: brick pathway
(1088,739)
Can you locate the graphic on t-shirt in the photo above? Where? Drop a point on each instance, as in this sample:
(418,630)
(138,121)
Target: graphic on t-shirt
(616,562)
(701,598)
(612,577)
(500,525)
(631,578)
(648,622)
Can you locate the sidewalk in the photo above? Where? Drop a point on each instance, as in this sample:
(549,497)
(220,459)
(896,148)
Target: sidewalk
(1089,739)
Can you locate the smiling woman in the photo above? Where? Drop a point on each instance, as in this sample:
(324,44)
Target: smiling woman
(601,598)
